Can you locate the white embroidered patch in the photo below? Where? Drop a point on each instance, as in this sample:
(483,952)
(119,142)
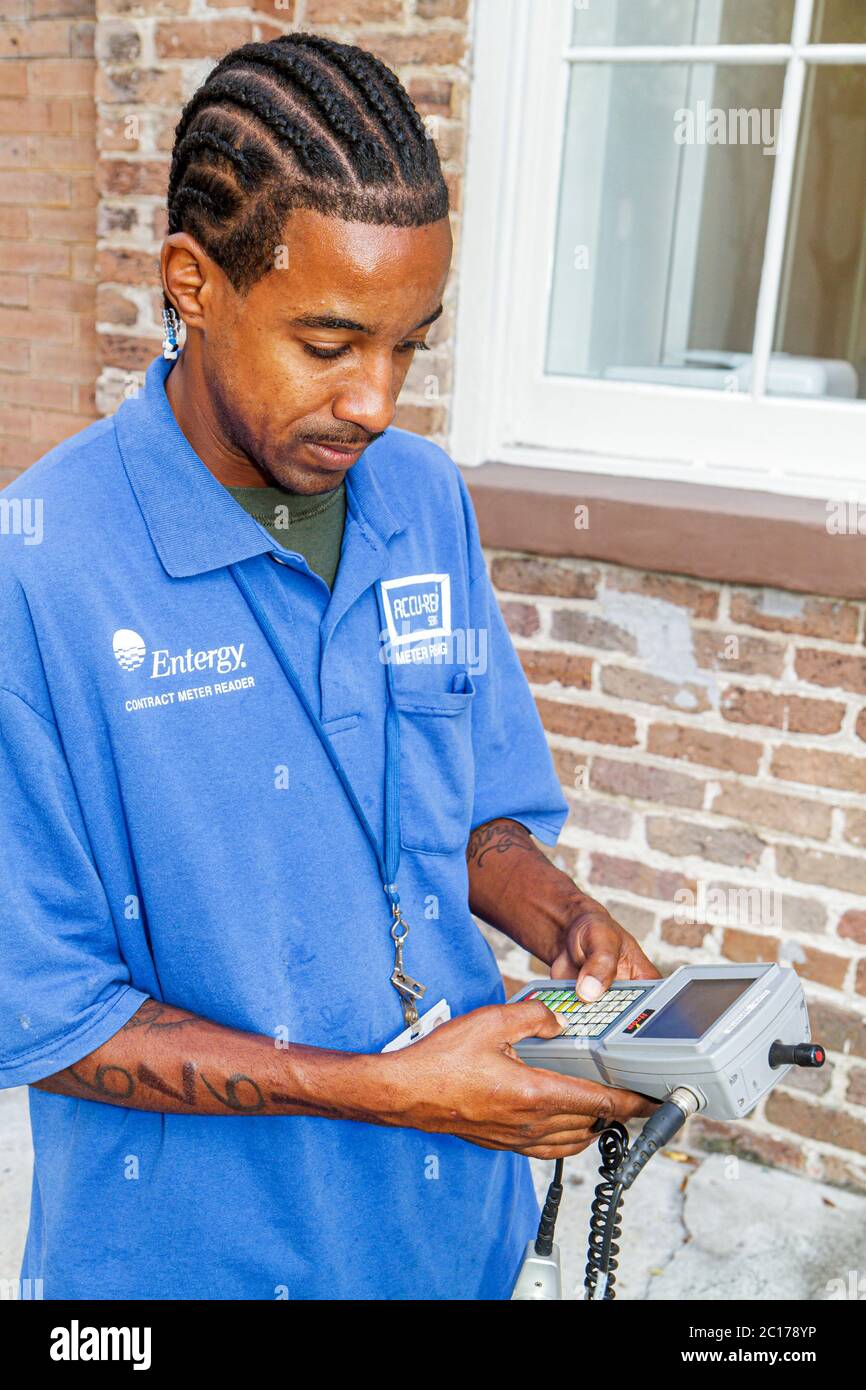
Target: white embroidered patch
(417,606)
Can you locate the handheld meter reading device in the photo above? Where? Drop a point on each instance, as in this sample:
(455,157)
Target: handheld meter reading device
(709,1038)
(728,1033)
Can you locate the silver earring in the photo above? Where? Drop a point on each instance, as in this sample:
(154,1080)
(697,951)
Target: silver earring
(170,330)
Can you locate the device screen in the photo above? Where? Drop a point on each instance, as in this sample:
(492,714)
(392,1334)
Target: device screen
(695,1009)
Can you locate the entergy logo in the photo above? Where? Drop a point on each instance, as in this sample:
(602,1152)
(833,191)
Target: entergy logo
(129,648)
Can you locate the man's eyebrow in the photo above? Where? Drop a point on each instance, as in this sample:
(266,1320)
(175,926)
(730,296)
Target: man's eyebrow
(437,314)
(350,326)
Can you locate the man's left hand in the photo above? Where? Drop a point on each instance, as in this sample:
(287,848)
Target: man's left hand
(596,950)
(516,888)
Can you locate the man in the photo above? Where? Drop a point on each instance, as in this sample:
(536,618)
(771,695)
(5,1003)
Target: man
(228,786)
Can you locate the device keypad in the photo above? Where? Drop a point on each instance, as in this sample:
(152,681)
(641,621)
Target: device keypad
(587,1020)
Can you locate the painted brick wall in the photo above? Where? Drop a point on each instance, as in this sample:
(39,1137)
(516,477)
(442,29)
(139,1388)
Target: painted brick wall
(48,358)
(712,745)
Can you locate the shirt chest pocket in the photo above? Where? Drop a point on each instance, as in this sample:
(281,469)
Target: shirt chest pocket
(437,770)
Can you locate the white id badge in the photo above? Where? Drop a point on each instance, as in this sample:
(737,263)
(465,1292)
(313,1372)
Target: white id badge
(440,1013)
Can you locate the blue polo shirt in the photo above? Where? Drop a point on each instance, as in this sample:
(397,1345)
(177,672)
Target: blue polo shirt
(171,827)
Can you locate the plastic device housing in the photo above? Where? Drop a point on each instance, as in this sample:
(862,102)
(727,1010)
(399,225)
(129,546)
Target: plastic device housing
(727,1066)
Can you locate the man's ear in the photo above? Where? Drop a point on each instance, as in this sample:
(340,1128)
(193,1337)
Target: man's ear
(188,277)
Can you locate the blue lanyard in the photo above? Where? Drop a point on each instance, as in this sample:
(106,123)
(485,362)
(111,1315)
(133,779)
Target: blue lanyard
(408,989)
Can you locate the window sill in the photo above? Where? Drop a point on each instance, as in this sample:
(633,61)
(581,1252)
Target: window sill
(725,534)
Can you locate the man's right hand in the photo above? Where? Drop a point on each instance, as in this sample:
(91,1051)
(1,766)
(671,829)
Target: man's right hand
(466,1079)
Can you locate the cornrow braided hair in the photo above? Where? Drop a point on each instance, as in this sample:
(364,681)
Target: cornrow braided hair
(299,122)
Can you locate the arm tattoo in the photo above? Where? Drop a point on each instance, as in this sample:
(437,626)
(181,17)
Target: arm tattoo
(115,1083)
(151,1016)
(232,1100)
(100,1086)
(156,1083)
(153,1065)
(498,837)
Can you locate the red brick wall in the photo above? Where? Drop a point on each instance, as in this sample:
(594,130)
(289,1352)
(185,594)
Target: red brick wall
(712,744)
(48,357)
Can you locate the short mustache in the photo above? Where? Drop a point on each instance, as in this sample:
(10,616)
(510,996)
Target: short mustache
(341,443)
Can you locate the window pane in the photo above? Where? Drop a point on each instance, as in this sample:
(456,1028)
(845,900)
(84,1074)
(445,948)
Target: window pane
(839,21)
(822,315)
(683,21)
(661,227)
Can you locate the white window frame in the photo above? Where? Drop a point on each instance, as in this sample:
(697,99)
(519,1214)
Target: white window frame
(505,407)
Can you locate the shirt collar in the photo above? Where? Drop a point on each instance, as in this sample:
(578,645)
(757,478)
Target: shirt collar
(194,522)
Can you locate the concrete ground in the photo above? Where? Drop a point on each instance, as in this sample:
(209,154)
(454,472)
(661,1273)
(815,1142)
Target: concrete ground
(694,1227)
(709,1227)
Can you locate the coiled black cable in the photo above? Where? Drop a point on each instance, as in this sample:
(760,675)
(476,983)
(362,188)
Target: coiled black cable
(604,1227)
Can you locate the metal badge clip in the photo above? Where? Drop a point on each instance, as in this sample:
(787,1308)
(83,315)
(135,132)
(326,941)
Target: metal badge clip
(409,990)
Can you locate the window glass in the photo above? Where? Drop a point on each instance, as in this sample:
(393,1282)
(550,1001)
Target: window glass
(686,21)
(662,219)
(839,21)
(822,306)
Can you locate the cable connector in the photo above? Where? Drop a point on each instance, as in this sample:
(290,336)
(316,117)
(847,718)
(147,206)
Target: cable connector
(659,1130)
(547,1224)
(540,1275)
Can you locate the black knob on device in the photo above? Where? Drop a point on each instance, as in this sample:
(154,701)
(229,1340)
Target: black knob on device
(796,1055)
